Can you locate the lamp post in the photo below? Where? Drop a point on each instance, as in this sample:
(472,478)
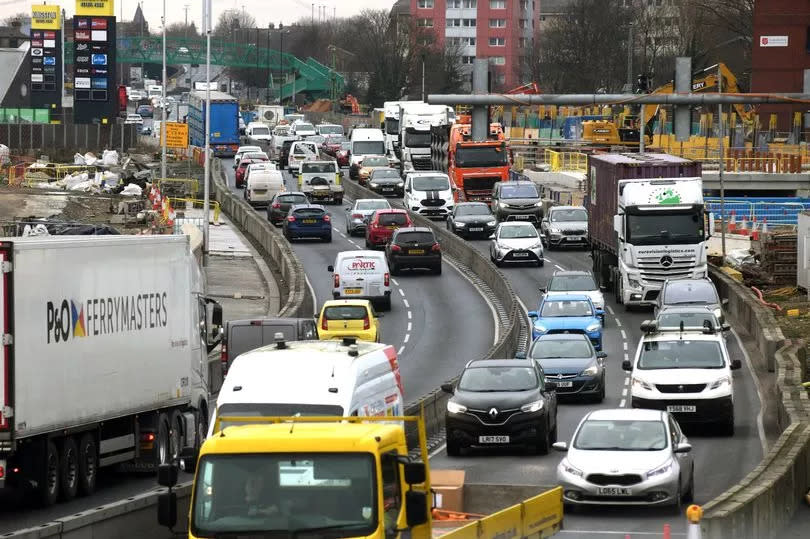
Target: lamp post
(267,77)
(163,103)
(207,182)
(423,76)
(281,64)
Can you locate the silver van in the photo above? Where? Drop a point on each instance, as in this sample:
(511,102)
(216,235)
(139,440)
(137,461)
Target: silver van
(240,336)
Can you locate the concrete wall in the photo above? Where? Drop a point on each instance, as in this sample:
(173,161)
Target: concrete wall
(763,503)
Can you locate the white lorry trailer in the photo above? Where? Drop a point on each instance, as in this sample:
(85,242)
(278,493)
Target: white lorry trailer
(415,121)
(391,127)
(646,223)
(105,343)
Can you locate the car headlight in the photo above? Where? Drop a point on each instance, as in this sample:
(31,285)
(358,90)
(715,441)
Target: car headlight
(660,470)
(720,382)
(535,406)
(554,230)
(641,383)
(538,204)
(503,247)
(460,224)
(634,283)
(400,183)
(593,327)
(374,184)
(566,465)
(590,371)
(541,328)
(503,205)
(492,223)
(455,408)
(538,245)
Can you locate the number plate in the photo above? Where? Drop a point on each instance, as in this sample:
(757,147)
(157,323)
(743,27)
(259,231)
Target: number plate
(387,188)
(259,191)
(520,255)
(309,221)
(477,229)
(416,251)
(614,491)
(522,217)
(351,291)
(681,408)
(493,439)
(563,384)
(391,227)
(574,238)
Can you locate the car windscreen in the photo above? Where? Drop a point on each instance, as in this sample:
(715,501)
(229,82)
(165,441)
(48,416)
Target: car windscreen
(322,168)
(690,320)
(255,156)
(391,219)
(248,149)
(278,409)
(415,237)
(375,162)
(330,130)
(517,232)
(308,212)
(487,156)
(345,312)
(561,348)
(566,307)
(368,147)
(304,127)
(260,131)
(473,209)
(519,191)
(386,173)
(692,292)
(431,183)
(391,126)
(571,283)
(306,149)
(568,216)
(621,435)
(372,205)
(292,199)
(681,354)
(498,379)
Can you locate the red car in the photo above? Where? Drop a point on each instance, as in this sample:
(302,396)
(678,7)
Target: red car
(381,226)
(343,154)
(243,164)
(332,144)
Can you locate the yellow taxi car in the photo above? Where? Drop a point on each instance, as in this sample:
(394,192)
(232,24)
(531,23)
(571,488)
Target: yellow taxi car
(348,318)
(370,163)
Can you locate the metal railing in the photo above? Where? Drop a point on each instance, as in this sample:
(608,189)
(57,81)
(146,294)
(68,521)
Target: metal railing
(746,213)
(568,161)
(179,203)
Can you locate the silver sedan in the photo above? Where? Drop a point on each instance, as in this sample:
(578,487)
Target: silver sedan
(515,242)
(627,457)
(357,214)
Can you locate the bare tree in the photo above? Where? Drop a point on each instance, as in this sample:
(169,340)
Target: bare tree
(736,16)
(231,20)
(23,17)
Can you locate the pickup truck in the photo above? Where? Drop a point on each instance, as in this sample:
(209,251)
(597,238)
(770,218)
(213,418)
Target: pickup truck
(320,181)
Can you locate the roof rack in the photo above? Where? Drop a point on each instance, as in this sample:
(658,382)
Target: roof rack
(650,327)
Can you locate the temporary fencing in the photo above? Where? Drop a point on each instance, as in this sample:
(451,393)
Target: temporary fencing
(745,212)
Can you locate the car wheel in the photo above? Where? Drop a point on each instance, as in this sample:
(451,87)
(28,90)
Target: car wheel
(689,495)
(394,269)
(498,263)
(368,243)
(540,263)
(553,436)
(453,448)
(549,246)
(677,506)
(727,426)
(437,269)
(328,239)
(601,396)
(543,441)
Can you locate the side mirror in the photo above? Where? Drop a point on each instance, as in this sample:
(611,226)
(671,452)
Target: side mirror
(726,327)
(213,317)
(330,268)
(416,507)
(414,473)
(736,364)
(617,226)
(532,314)
(447,388)
(602,288)
(542,289)
(167,509)
(627,365)
(724,302)
(520,355)
(348,208)
(601,355)
(560,446)
(683,448)
(492,236)
(167,475)
(234,167)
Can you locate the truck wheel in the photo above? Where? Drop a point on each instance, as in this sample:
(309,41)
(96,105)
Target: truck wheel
(162,443)
(88,465)
(201,417)
(176,434)
(69,469)
(48,487)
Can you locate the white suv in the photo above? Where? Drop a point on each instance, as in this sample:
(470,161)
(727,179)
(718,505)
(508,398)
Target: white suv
(686,372)
(428,194)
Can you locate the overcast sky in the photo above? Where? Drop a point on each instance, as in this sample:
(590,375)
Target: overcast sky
(265,11)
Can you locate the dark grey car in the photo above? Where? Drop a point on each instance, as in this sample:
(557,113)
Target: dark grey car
(279,207)
(690,293)
(571,365)
(387,182)
(565,225)
(517,201)
(472,219)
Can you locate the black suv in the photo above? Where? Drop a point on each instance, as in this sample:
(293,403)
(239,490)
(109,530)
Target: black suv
(414,247)
(280,206)
(517,200)
(499,402)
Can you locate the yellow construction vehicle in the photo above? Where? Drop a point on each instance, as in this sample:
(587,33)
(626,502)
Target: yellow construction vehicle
(335,477)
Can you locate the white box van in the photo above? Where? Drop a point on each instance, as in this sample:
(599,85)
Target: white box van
(364,142)
(362,275)
(301,150)
(428,194)
(262,185)
(312,378)
(258,133)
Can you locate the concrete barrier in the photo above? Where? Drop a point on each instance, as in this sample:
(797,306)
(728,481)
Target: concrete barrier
(763,503)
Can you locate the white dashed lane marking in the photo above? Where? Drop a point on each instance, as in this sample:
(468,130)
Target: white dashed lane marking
(624,335)
(405,302)
(401,293)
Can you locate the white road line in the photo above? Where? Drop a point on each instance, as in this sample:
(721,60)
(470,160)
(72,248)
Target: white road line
(352,242)
(342,235)
(627,381)
(401,293)
(409,315)
(437,450)
(622,403)
(624,534)
(760,427)
(624,344)
(624,392)
(401,349)
(314,297)
(618,322)
(409,326)
(396,283)
(495,321)
(624,335)
(407,338)
(559,267)
(626,356)
(610,309)
(405,302)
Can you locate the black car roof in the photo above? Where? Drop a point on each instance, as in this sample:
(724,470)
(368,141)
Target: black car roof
(500,363)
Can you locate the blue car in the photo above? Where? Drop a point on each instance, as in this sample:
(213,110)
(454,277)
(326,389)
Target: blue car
(308,221)
(568,313)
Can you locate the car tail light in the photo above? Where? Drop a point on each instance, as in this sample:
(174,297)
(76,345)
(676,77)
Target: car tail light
(2,472)
(395,247)
(436,247)
(366,323)
(357,216)
(291,218)
(387,277)
(327,218)
(324,322)
(276,205)
(337,280)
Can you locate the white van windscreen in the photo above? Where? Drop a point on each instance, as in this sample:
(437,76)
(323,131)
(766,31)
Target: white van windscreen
(321,168)
(248,409)
(361,265)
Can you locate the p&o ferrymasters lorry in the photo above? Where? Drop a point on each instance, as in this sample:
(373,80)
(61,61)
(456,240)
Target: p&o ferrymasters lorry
(646,223)
(224,130)
(104,358)
(415,121)
(391,125)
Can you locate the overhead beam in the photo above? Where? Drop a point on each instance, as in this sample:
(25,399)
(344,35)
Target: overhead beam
(617,99)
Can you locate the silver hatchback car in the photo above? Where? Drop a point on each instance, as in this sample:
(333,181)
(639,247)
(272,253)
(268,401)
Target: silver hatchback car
(357,214)
(627,457)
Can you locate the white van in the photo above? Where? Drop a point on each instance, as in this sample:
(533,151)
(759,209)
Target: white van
(303,129)
(362,275)
(312,378)
(428,194)
(301,150)
(326,130)
(258,133)
(364,142)
(262,185)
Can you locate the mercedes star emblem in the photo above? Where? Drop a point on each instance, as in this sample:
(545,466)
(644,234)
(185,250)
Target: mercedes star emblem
(666,261)
(560,376)
(493,413)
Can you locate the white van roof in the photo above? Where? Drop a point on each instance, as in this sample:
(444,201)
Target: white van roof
(360,254)
(367,133)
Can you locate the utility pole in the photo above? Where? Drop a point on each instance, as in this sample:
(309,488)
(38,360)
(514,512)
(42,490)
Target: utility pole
(720,170)
(207,183)
(312,16)
(163,103)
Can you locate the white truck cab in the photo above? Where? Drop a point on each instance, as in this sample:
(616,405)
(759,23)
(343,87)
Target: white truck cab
(391,123)
(687,372)
(428,194)
(415,121)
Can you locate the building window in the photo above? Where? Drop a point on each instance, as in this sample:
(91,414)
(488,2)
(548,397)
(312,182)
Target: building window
(497,4)
(469,23)
(425,4)
(497,60)
(524,5)
(524,42)
(453,4)
(524,23)
(501,78)
(497,23)
(468,41)
(467,59)
(470,4)
(807,44)
(426,23)
(453,22)
(497,42)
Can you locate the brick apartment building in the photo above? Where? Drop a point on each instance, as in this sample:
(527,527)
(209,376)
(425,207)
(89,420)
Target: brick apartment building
(500,30)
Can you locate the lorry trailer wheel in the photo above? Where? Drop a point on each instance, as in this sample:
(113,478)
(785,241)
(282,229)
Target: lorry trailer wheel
(88,466)
(202,426)
(176,434)
(69,469)
(48,484)
(162,443)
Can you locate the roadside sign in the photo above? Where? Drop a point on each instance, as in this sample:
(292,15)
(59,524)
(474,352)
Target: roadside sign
(176,135)
(773,41)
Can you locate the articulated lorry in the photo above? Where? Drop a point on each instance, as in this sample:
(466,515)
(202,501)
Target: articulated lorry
(105,343)
(330,477)
(646,223)
(391,126)
(224,131)
(474,166)
(415,121)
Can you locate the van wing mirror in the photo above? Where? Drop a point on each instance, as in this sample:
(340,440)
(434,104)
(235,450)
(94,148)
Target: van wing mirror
(213,323)
(415,473)
(416,508)
(330,268)
(167,475)
(617,226)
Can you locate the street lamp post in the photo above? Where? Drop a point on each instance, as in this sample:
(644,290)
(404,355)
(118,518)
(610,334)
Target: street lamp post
(423,76)
(281,64)
(207,182)
(267,97)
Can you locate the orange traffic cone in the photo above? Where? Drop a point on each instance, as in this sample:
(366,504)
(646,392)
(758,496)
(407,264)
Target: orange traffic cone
(732,224)
(743,230)
(754,230)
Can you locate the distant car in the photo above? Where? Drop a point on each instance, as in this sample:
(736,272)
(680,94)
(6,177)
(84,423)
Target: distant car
(381,225)
(470,219)
(182,50)
(516,242)
(500,402)
(693,317)
(341,318)
(308,221)
(133,119)
(517,201)
(575,282)
(627,457)
(343,154)
(414,247)
(247,159)
(242,150)
(145,111)
(279,207)
(368,164)
(332,143)
(573,313)
(690,292)
(565,225)
(359,212)
(387,182)
(284,153)
(572,366)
